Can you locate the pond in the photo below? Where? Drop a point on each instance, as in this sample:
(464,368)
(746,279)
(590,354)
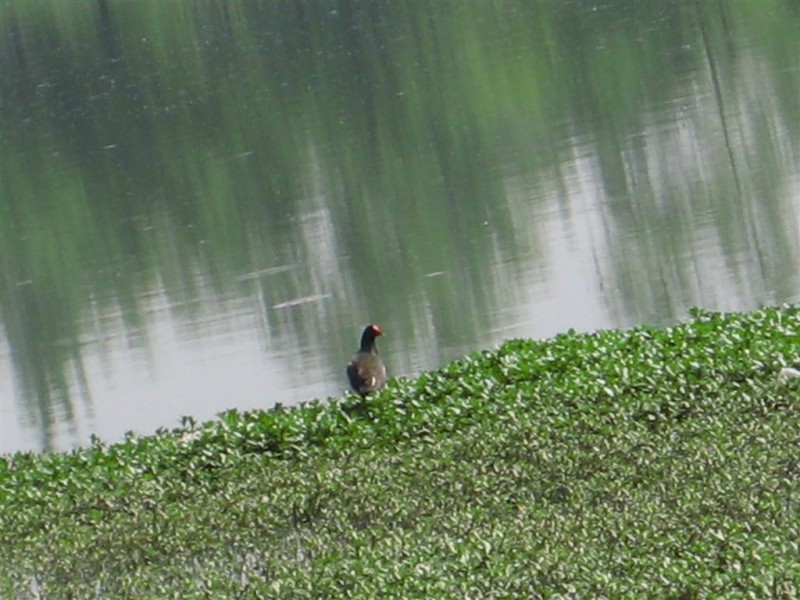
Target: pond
(204,203)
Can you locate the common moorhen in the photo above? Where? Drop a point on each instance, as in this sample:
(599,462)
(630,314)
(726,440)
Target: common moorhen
(366,370)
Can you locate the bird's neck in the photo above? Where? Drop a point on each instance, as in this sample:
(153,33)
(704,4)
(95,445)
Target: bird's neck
(368,345)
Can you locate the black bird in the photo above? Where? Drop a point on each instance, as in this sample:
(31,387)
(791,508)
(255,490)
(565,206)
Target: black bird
(366,370)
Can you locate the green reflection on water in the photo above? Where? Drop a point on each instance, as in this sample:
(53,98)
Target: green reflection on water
(359,148)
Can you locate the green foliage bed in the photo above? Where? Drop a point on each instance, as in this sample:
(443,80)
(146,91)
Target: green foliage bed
(641,463)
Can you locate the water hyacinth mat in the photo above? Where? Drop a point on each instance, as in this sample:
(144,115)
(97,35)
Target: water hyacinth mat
(620,464)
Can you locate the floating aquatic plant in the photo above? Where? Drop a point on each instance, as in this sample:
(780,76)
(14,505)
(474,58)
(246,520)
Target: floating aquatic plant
(639,463)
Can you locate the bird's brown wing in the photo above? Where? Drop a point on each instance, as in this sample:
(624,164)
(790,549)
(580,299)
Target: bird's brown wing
(366,373)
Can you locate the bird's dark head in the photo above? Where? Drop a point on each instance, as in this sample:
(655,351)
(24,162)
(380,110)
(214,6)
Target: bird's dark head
(368,338)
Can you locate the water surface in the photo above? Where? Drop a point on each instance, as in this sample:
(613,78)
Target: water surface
(204,203)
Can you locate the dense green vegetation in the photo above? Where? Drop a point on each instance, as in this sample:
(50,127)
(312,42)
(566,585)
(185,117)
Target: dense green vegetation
(640,463)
